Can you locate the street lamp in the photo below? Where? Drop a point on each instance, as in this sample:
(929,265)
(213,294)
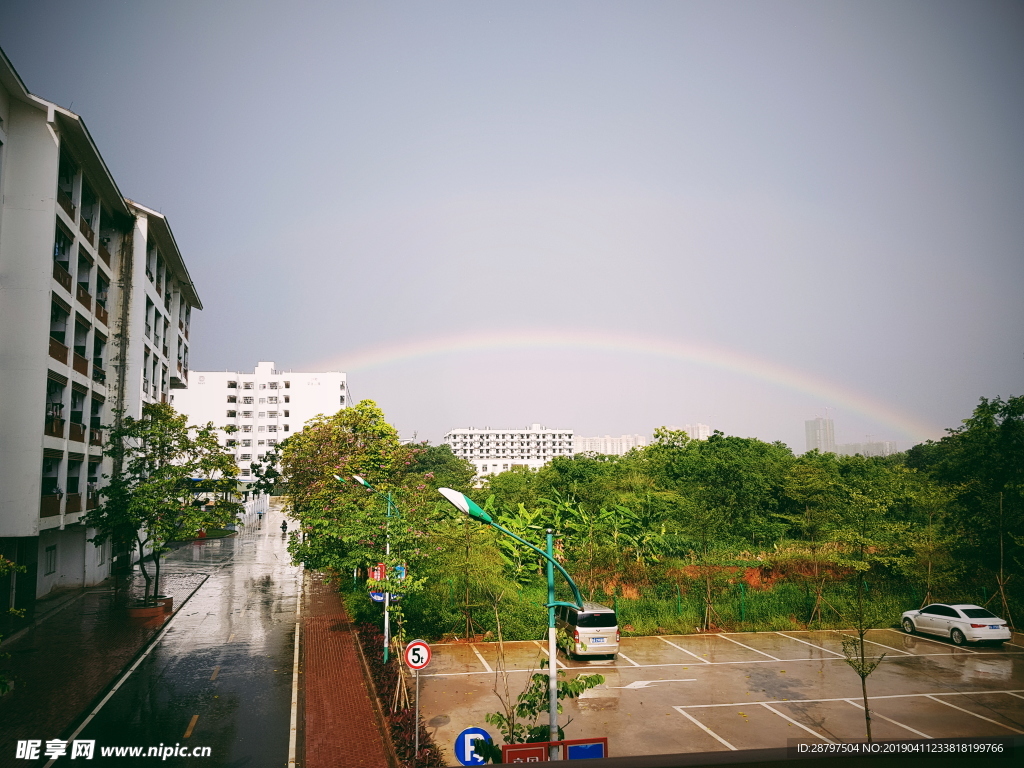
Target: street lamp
(466,505)
(387,553)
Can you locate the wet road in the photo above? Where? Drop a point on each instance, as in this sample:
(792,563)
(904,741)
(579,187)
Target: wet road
(221,674)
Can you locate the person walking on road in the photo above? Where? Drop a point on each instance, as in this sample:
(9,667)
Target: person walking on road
(284,526)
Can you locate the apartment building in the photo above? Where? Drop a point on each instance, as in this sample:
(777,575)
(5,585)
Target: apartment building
(608,445)
(496,450)
(95,303)
(264,406)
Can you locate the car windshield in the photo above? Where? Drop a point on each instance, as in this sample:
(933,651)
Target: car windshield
(596,620)
(977,613)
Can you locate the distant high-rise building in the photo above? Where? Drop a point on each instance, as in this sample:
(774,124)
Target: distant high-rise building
(820,435)
(608,445)
(697,431)
(876,448)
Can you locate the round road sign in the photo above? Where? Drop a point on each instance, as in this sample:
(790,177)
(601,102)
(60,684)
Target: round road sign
(417,654)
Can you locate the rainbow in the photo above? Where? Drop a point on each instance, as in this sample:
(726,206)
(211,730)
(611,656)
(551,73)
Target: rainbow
(785,377)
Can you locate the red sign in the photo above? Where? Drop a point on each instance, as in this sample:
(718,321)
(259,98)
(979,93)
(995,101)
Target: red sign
(417,654)
(536,752)
(378,572)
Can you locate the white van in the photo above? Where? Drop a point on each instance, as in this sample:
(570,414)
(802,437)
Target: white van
(594,631)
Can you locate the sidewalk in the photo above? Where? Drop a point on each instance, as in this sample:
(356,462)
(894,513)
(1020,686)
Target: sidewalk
(68,658)
(341,726)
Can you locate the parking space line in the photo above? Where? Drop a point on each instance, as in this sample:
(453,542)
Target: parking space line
(680,648)
(811,701)
(216,671)
(704,728)
(482,659)
(628,659)
(544,648)
(749,648)
(996,722)
(839,632)
(889,719)
(191,725)
(797,724)
(820,648)
(929,640)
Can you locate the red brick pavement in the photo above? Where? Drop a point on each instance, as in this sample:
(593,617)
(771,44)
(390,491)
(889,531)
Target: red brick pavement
(341,727)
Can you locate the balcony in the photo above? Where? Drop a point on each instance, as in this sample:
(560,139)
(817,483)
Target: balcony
(82,296)
(54,427)
(86,230)
(101,313)
(95,436)
(77,432)
(74,504)
(98,374)
(105,254)
(49,505)
(149,330)
(62,276)
(65,203)
(92,500)
(164,348)
(79,363)
(58,351)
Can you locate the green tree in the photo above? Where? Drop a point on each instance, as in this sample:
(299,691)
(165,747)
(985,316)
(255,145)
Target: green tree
(161,464)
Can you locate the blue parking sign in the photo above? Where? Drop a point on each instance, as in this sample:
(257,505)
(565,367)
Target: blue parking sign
(464,750)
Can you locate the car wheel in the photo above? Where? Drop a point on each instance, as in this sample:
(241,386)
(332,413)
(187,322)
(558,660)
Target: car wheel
(957,637)
(908,626)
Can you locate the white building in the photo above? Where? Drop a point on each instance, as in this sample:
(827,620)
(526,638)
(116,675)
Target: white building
(608,445)
(266,405)
(697,431)
(95,302)
(820,435)
(497,450)
(875,448)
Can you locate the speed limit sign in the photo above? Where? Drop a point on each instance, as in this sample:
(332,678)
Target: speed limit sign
(417,654)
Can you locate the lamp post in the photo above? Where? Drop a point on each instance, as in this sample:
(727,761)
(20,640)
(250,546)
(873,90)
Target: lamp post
(387,553)
(467,506)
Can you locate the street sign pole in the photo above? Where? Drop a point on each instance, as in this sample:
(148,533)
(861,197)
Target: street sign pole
(416,723)
(552,653)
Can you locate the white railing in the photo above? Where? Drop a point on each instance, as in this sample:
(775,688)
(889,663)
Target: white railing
(257,505)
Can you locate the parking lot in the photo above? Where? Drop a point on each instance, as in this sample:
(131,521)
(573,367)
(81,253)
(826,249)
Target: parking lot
(702,693)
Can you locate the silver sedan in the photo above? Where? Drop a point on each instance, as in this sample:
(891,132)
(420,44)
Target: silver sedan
(960,623)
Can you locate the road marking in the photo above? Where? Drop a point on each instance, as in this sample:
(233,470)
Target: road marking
(482,659)
(1014,694)
(293,733)
(680,648)
(798,725)
(889,719)
(558,663)
(905,653)
(929,640)
(216,671)
(811,701)
(704,728)
(231,637)
(628,659)
(749,648)
(820,648)
(191,725)
(644,683)
(996,722)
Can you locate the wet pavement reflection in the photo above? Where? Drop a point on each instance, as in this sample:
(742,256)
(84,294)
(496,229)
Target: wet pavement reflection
(221,675)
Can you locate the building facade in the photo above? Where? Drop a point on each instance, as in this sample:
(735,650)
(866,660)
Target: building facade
(497,450)
(875,448)
(608,445)
(820,435)
(264,406)
(95,304)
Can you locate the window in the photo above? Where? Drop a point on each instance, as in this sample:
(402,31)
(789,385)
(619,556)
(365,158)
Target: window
(245,456)
(245,472)
(247,443)
(273,385)
(261,429)
(272,414)
(51,560)
(286,413)
(285,427)
(271,400)
(263,386)
(342,399)
(247,400)
(287,399)
(231,443)
(271,442)
(246,414)
(272,428)
(261,442)
(263,414)
(287,385)
(232,414)
(263,400)
(247,427)
(101,553)
(232,385)
(247,385)
(232,399)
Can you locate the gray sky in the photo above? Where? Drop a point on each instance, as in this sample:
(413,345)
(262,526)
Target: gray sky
(601,216)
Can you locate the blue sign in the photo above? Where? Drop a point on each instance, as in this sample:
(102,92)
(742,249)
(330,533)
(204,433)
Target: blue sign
(584,751)
(377,597)
(464,746)
(400,571)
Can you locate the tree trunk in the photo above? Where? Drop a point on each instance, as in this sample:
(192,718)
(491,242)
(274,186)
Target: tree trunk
(142,567)
(867,712)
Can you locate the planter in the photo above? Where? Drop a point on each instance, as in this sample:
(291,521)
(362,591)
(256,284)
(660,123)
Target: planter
(166,602)
(202,535)
(145,611)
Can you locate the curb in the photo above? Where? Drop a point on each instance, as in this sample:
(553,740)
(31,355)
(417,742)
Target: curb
(378,711)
